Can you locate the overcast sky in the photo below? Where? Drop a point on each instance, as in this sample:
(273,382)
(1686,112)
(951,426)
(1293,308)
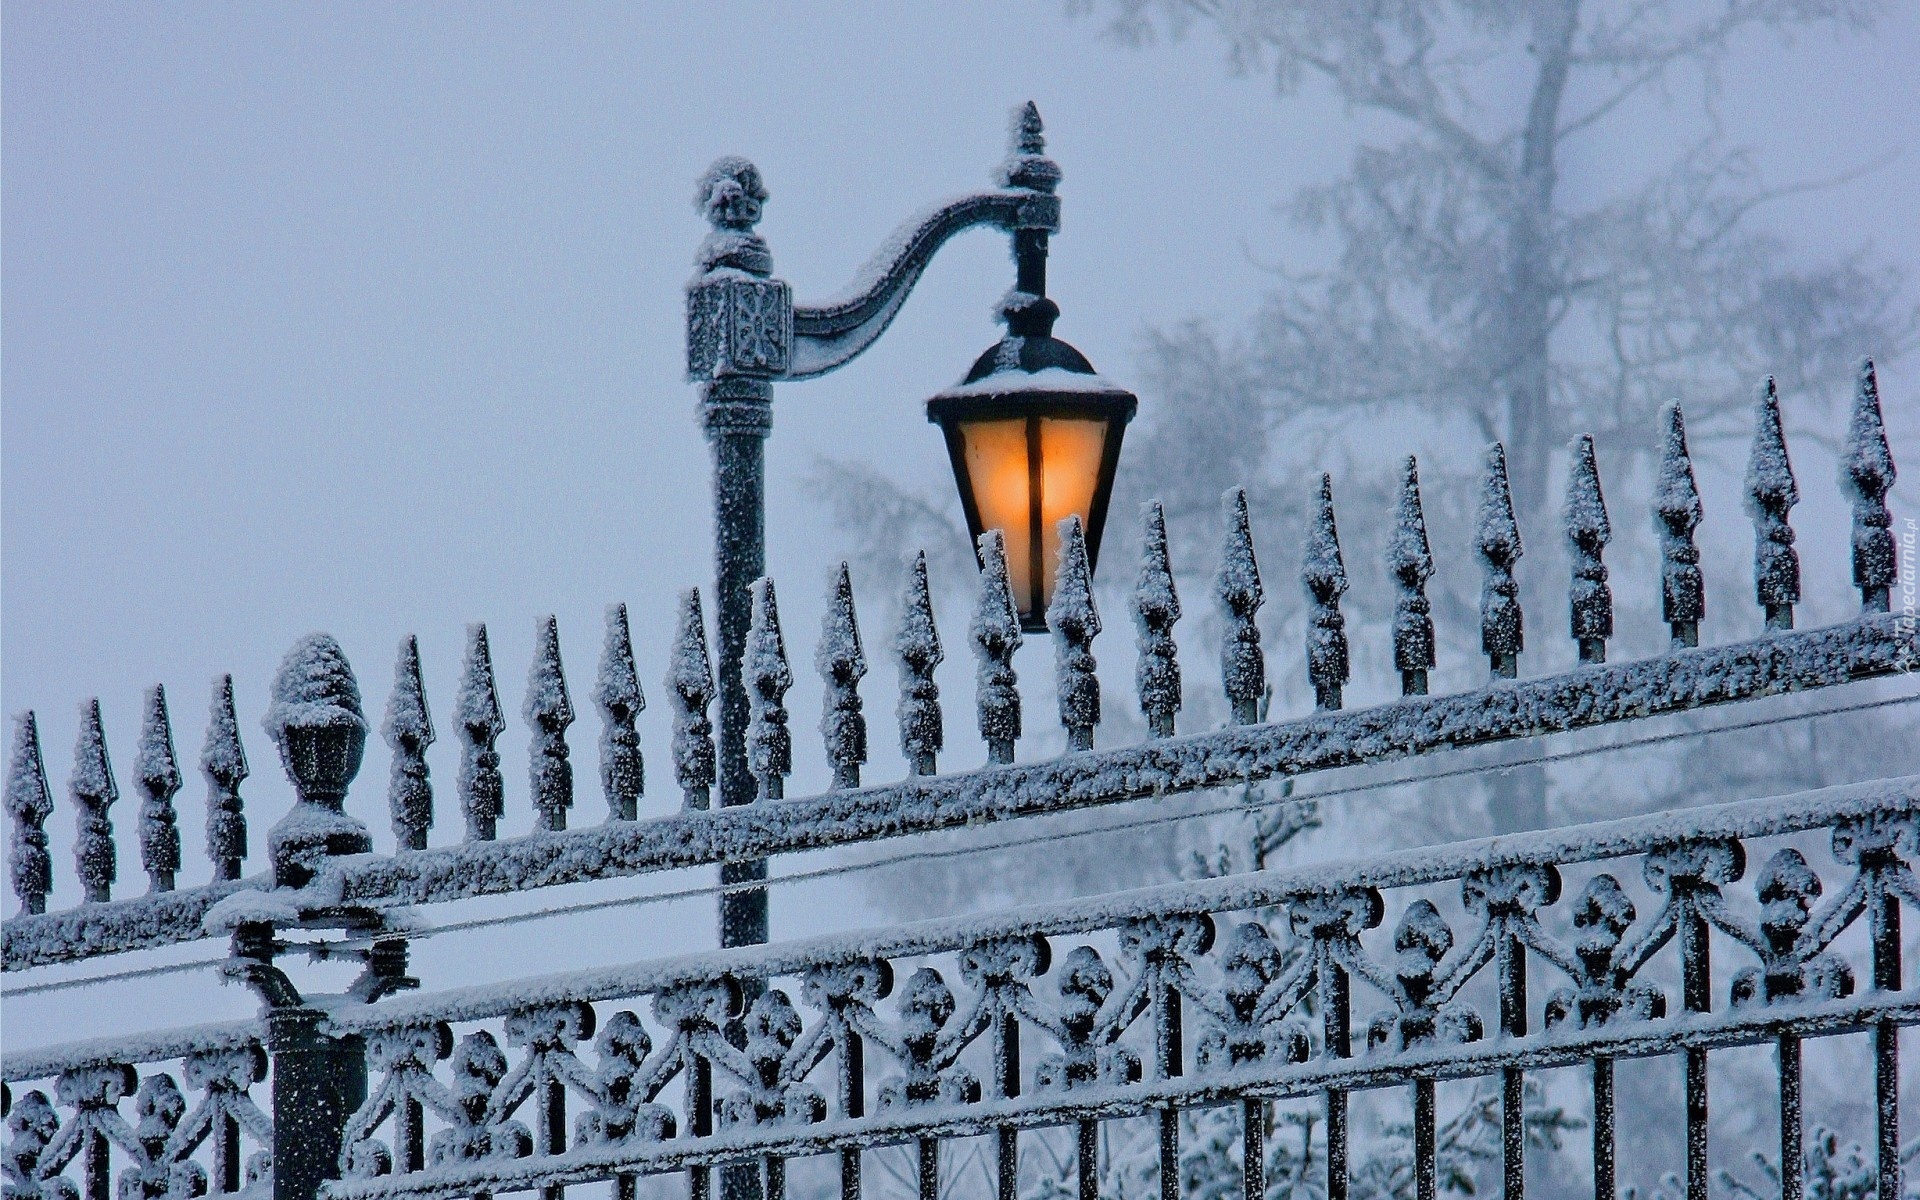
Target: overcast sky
(368,319)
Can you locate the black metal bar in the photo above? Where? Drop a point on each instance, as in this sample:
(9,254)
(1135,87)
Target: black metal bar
(1884,924)
(700,1116)
(226,1154)
(775,1174)
(409,1137)
(96,1170)
(1253,1149)
(319,1082)
(1425,1169)
(1603,1161)
(1696,988)
(1335,1025)
(1792,1175)
(553,1130)
(1006,1156)
(928,1153)
(1511,975)
(1087,1169)
(853,1104)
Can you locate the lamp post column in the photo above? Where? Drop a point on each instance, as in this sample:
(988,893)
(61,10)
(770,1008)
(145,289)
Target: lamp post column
(739,338)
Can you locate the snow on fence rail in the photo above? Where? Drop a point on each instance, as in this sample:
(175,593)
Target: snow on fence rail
(317,720)
(1489,958)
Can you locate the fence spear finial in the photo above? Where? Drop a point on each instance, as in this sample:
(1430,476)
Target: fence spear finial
(690,690)
(1243,665)
(1590,600)
(1676,513)
(223,760)
(93,792)
(549,709)
(1075,622)
(1410,562)
(1324,573)
(158,773)
(623,775)
(768,676)
(842,662)
(1156,607)
(1866,475)
(29,804)
(1771,495)
(918,647)
(996,636)
(408,730)
(482,790)
(1497,541)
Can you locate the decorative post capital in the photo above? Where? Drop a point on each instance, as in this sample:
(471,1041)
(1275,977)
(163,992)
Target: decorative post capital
(739,319)
(317,721)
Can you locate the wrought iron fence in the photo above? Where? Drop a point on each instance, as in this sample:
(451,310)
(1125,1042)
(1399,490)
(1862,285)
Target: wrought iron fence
(1237,991)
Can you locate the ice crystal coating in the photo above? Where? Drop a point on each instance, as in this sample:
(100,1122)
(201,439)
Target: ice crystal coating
(690,690)
(1866,475)
(623,774)
(1590,600)
(842,662)
(996,636)
(29,804)
(1676,513)
(1497,541)
(408,730)
(223,761)
(1243,666)
(1156,607)
(316,719)
(477,709)
(549,710)
(1075,622)
(917,646)
(158,773)
(1324,574)
(94,792)
(768,676)
(1410,563)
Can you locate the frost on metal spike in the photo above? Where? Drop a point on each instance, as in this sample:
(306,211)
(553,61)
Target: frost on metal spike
(690,690)
(768,676)
(158,773)
(1324,573)
(996,636)
(623,772)
(1497,541)
(1243,666)
(408,730)
(842,663)
(29,804)
(316,720)
(1026,164)
(1156,606)
(1676,513)
(93,792)
(1866,475)
(1410,562)
(1075,623)
(549,709)
(482,791)
(1585,515)
(223,760)
(1771,495)
(917,646)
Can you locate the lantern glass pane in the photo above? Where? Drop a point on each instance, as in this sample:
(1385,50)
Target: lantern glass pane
(997,467)
(1070,451)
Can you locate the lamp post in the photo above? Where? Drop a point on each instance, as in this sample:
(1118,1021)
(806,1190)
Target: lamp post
(1033,432)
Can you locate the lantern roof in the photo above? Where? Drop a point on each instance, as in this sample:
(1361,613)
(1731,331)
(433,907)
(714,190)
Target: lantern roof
(1029,362)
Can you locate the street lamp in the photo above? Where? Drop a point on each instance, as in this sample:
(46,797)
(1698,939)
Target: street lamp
(1033,432)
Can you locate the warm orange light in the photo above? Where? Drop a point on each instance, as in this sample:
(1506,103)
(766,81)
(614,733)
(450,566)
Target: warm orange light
(1026,457)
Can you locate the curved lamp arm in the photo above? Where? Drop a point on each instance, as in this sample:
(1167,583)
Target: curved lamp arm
(835,331)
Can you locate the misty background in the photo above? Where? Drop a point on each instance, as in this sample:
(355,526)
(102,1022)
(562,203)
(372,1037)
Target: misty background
(369,321)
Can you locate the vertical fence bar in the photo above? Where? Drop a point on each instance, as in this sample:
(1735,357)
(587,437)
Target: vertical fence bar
(1253,1149)
(1792,1178)
(1511,969)
(1168,1053)
(1089,1164)
(853,1104)
(1006,1158)
(553,1122)
(1334,1003)
(1425,1170)
(1603,1172)
(776,1177)
(96,1167)
(1697,997)
(929,1161)
(700,1115)
(226,1154)
(1884,923)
